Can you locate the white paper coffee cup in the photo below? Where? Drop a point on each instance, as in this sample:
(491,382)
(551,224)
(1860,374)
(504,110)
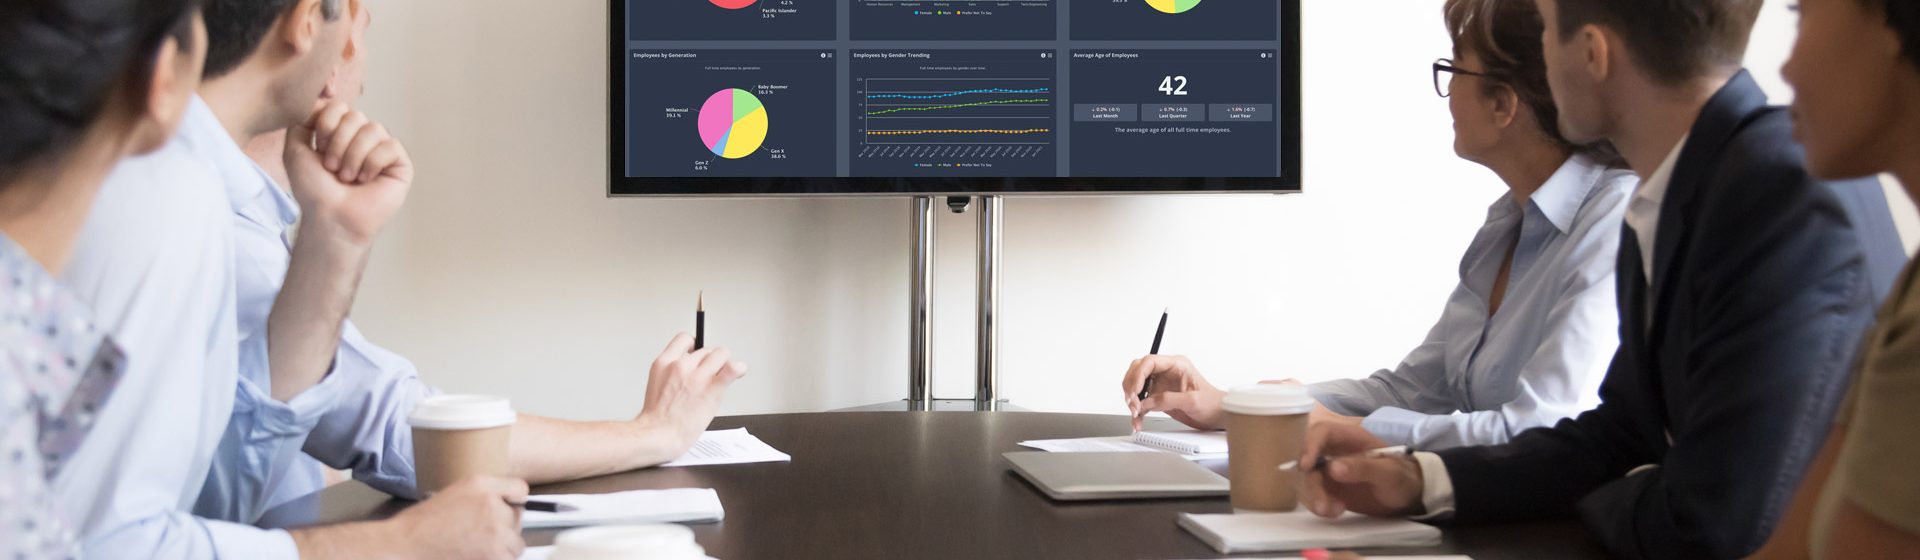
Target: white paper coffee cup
(630,542)
(1266,426)
(458,436)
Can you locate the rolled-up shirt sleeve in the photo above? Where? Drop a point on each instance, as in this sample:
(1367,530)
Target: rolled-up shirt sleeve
(367,431)
(263,439)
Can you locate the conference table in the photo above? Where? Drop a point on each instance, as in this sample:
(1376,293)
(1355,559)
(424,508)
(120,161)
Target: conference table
(928,485)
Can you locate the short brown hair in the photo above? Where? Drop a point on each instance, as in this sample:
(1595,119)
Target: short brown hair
(1506,35)
(1674,40)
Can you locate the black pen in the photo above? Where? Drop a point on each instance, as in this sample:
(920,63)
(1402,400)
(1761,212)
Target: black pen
(550,507)
(1147,387)
(700,322)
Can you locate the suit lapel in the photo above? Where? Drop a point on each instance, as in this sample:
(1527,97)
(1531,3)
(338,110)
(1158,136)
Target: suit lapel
(1722,116)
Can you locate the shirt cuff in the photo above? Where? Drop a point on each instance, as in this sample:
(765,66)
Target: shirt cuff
(298,416)
(233,540)
(1437,487)
(1393,425)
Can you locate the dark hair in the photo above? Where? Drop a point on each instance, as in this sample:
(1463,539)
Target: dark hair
(236,27)
(62,60)
(1674,40)
(1904,17)
(1506,35)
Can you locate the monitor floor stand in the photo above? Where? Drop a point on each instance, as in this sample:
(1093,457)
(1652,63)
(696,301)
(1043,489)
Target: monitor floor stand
(986,388)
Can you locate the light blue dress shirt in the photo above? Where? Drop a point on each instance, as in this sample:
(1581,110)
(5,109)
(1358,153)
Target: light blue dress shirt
(1478,380)
(365,430)
(155,261)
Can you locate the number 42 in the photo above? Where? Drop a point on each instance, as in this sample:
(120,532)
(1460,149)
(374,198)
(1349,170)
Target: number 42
(1174,85)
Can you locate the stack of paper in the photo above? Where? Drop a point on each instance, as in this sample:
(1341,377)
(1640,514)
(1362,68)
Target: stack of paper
(683,505)
(1299,530)
(729,447)
(1134,443)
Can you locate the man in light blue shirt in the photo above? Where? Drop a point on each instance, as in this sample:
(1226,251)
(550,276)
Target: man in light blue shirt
(365,431)
(269,59)
(157,261)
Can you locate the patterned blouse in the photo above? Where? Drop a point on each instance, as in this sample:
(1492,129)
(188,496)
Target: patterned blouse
(56,370)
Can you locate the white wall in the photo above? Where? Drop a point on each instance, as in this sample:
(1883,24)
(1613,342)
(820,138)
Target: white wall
(509,272)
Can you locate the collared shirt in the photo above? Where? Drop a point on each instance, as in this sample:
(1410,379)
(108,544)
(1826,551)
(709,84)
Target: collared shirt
(1642,218)
(366,429)
(1643,214)
(155,259)
(56,371)
(1480,379)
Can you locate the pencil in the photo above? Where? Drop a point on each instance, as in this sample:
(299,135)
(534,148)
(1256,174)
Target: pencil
(700,322)
(1158,333)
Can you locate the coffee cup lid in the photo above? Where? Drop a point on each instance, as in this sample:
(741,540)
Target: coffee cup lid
(1268,399)
(629,542)
(462,412)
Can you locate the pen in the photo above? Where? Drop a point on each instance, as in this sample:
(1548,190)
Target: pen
(550,507)
(1147,387)
(1321,463)
(700,322)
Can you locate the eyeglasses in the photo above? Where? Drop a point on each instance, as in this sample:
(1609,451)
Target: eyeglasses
(1444,71)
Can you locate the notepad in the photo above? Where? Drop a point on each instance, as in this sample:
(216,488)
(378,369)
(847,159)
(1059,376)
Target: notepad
(681,505)
(1300,530)
(729,447)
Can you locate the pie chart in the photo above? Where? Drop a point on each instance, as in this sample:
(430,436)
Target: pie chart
(1168,6)
(733,123)
(734,4)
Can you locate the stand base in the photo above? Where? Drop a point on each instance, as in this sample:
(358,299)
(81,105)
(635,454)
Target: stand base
(937,405)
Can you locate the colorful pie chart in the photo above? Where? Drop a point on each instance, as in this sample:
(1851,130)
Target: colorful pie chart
(1168,6)
(733,123)
(734,4)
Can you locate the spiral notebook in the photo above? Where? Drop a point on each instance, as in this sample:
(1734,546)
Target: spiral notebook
(1187,442)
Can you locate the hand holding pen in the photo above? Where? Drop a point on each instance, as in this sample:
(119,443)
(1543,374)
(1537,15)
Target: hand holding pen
(1353,470)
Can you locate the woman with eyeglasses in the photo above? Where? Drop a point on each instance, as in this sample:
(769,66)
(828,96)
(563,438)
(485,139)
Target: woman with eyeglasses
(83,84)
(1526,337)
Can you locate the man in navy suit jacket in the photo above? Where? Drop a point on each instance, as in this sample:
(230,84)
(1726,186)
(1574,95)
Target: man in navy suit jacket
(1744,287)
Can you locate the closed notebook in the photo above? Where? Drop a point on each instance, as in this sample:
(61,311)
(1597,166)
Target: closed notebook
(1300,530)
(681,505)
(1186,442)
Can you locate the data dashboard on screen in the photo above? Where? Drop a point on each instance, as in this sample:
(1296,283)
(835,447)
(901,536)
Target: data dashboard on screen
(786,97)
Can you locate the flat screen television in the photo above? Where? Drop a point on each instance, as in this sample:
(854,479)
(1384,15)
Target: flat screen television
(953,97)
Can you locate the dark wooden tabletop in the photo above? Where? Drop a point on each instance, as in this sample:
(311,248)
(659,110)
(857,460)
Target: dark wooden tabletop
(927,485)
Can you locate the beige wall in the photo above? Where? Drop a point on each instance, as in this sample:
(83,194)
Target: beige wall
(509,272)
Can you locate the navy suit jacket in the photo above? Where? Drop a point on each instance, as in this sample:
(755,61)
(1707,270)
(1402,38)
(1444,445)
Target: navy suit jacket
(1764,281)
